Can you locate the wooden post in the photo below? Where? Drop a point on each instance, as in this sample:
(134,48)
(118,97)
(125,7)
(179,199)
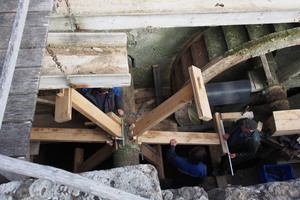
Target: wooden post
(200,96)
(63,106)
(78,159)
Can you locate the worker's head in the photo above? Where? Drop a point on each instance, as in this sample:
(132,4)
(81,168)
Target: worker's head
(248,125)
(102,90)
(196,154)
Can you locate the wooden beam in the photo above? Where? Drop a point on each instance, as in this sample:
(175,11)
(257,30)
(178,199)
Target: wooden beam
(219,128)
(233,115)
(8,67)
(46,101)
(89,110)
(284,122)
(63,177)
(63,106)
(78,159)
(154,156)
(98,157)
(200,95)
(186,138)
(69,135)
(165,109)
(114,117)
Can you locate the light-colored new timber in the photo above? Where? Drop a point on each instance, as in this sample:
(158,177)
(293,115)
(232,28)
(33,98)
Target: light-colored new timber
(89,110)
(219,128)
(186,138)
(200,95)
(63,106)
(234,115)
(162,111)
(69,135)
(284,122)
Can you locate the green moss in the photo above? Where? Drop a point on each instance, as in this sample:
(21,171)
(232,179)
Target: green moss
(265,44)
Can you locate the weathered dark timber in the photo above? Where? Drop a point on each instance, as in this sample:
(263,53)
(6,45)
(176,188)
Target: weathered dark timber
(34,5)
(20,108)
(12,138)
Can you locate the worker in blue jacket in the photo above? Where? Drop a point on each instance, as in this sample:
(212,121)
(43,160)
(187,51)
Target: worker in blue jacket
(189,171)
(106,99)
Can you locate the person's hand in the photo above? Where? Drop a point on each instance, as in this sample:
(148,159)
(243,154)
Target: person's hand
(120,112)
(232,155)
(173,142)
(226,136)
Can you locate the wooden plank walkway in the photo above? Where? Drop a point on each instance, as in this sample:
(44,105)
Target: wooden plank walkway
(20,108)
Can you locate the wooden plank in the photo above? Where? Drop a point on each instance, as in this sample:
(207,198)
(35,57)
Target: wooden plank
(87,39)
(114,117)
(186,138)
(97,158)
(284,122)
(89,110)
(200,95)
(10,61)
(85,81)
(234,115)
(20,108)
(46,101)
(78,159)
(154,156)
(165,109)
(63,106)
(63,177)
(69,135)
(14,139)
(220,130)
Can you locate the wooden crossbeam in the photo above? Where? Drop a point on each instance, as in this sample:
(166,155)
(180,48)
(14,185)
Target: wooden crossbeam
(219,128)
(162,111)
(186,138)
(98,157)
(200,95)
(232,115)
(63,106)
(284,122)
(89,110)
(69,135)
(154,156)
